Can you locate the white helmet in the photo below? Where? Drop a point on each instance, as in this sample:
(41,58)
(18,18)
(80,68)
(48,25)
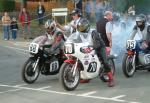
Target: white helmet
(50,25)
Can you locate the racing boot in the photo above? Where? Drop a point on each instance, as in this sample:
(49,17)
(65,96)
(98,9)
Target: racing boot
(84,80)
(110,81)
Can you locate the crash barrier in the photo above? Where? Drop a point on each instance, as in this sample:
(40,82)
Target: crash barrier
(60,12)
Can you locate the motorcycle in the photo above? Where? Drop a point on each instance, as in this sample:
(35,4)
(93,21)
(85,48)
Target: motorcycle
(40,61)
(136,58)
(82,63)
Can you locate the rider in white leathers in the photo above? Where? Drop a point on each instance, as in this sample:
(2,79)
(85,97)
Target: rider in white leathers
(83,27)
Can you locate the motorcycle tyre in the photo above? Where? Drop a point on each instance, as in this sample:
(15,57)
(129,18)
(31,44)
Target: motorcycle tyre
(61,77)
(30,60)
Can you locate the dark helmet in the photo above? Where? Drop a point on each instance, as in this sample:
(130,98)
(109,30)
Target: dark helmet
(83,25)
(76,11)
(49,25)
(140,20)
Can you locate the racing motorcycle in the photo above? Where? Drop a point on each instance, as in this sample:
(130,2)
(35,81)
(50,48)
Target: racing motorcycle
(136,58)
(82,63)
(40,61)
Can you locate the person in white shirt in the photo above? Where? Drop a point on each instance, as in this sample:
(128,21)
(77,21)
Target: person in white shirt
(71,27)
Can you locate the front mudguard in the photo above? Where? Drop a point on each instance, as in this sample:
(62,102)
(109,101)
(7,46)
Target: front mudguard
(70,61)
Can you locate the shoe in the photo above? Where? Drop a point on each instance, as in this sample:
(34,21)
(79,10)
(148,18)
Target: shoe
(84,80)
(110,81)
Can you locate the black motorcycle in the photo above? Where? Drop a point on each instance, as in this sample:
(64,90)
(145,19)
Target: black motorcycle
(41,61)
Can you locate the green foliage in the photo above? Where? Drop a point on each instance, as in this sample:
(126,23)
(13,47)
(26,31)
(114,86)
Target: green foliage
(119,5)
(141,6)
(7,5)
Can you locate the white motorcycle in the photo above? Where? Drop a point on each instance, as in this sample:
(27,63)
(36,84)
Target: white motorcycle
(81,64)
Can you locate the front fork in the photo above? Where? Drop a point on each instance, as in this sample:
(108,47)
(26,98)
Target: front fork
(35,64)
(133,61)
(75,67)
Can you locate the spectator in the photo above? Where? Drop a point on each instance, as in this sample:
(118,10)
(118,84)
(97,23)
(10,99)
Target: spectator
(131,10)
(24,18)
(40,12)
(99,9)
(14,28)
(6,24)
(71,27)
(88,9)
(104,27)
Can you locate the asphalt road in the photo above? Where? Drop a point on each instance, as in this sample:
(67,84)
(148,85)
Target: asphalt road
(48,90)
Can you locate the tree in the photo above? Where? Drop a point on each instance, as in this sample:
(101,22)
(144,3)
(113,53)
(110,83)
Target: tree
(7,5)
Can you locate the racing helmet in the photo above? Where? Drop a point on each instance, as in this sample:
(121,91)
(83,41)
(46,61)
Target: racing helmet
(83,25)
(140,20)
(50,25)
(76,11)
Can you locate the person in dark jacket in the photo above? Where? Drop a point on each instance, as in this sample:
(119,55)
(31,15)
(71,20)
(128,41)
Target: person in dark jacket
(14,28)
(40,12)
(104,27)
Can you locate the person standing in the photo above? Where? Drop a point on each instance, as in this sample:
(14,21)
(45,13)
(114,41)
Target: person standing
(99,9)
(25,19)
(88,9)
(71,27)
(6,24)
(104,27)
(40,12)
(14,28)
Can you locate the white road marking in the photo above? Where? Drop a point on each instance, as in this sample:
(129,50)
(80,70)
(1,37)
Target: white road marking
(13,90)
(72,94)
(42,88)
(20,85)
(86,94)
(120,96)
(24,44)
(17,48)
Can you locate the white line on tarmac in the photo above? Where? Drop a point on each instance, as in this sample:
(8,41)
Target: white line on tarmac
(88,93)
(20,85)
(120,96)
(17,48)
(13,90)
(42,88)
(66,93)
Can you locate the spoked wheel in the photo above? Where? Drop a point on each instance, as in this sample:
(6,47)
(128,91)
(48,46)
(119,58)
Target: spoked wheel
(68,79)
(128,65)
(104,76)
(28,75)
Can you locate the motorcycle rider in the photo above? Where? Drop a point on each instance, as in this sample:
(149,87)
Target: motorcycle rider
(71,27)
(142,28)
(52,37)
(83,27)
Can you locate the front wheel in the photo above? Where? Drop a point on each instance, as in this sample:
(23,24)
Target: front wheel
(111,63)
(66,77)
(28,75)
(128,65)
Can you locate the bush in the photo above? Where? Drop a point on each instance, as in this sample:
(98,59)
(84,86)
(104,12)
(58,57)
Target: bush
(7,5)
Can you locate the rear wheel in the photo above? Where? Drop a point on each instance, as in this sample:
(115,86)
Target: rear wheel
(28,75)
(104,77)
(66,77)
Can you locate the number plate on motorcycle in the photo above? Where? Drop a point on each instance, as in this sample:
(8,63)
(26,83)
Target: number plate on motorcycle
(130,44)
(33,48)
(69,48)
